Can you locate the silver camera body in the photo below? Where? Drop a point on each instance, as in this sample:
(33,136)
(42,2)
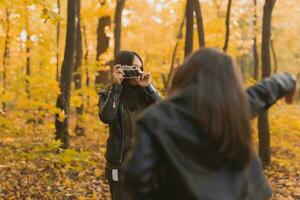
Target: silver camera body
(131,72)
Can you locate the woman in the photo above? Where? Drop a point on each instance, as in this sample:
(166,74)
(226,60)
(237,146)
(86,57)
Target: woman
(197,144)
(119,108)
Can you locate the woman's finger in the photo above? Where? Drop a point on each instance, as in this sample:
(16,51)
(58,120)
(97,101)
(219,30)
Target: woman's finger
(120,71)
(120,76)
(117,67)
(147,74)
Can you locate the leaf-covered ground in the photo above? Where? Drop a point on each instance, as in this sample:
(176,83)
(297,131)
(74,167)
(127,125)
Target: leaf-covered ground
(284,171)
(33,167)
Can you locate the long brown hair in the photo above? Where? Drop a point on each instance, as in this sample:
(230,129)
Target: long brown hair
(219,102)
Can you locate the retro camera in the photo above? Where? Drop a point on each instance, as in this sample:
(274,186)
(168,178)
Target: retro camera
(131,72)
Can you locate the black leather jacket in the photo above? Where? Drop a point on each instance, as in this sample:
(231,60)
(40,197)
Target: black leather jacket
(169,152)
(111,112)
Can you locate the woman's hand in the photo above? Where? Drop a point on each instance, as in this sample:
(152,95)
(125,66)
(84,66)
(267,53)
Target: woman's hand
(290,98)
(144,80)
(118,75)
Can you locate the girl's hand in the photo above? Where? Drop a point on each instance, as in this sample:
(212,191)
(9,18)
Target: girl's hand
(118,75)
(290,98)
(144,80)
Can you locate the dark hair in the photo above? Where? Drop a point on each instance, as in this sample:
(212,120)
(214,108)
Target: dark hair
(222,108)
(127,57)
(132,96)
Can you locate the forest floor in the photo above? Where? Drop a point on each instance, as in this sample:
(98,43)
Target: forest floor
(32,167)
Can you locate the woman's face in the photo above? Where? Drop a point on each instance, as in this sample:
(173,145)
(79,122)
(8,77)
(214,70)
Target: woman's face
(138,63)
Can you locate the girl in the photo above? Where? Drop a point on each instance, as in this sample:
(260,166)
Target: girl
(119,108)
(197,144)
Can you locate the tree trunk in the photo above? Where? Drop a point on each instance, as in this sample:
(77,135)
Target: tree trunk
(264,138)
(57,41)
(102,38)
(263,122)
(28,59)
(118,25)
(179,37)
(254,47)
(199,18)
(275,62)
(6,53)
(102,76)
(189,36)
(227,35)
(79,129)
(242,64)
(86,63)
(63,100)
(266,38)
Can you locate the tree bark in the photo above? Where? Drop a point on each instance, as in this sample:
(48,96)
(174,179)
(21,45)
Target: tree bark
(227,35)
(189,36)
(274,56)
(102,76)
(200,26)
(264,138)
(79,129)
(263,122)
(28,58)
(266,38)
(6,53)
(102,38)
(86,63)
(63,100)
(57,41)
(170,74)
(254,47)
(118,25)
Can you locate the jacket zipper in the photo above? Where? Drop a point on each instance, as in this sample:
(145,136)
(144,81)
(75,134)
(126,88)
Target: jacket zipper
(122,151)
(114,103)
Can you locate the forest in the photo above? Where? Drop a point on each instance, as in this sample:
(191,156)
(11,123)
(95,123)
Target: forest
(56,55)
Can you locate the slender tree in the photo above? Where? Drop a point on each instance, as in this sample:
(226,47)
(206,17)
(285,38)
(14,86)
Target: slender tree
(86,63)
(118,25)
(57,40)
(227,35)
(263,119)
(274,56)
(189,14)
(102,38)
(200,26)
(178,38)
(254,47)
(6,52)
(28,54)
(79,129)
(63,100)
(102,76)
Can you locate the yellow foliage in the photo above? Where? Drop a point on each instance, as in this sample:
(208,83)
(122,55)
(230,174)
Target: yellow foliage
(61,115)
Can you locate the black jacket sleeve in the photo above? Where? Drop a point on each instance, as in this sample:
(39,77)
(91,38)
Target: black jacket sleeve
(109,103)
(268,91)
(139,166)
(152,94)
